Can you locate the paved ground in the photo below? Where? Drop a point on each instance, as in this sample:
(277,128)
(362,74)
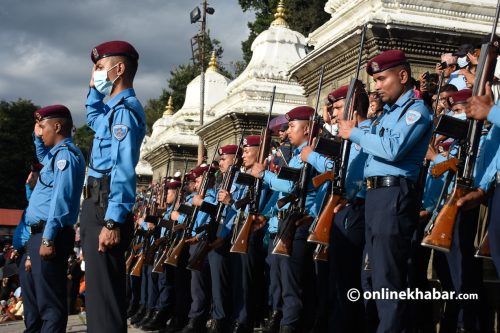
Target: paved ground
(74,326)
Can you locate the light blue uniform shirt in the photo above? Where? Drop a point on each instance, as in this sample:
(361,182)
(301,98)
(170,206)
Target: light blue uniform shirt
(21,234)
(489,157)
(287,187)
(238,192)
(396,145)
(115,149)
(56,196)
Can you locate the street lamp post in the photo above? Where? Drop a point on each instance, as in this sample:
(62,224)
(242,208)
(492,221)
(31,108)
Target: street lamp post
(195,17)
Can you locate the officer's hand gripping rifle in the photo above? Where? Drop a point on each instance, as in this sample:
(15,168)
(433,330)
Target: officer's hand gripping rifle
(296,214)
(440,236)
(320,233)
(240,245)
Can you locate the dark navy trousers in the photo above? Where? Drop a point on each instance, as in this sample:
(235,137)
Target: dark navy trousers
(200,287)
(45,286)
(391,216)
(494,228)
(220,276)
(345,255)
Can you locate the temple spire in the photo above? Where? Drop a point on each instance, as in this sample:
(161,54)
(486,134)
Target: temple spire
(213,62)
(280,16)
(169,109)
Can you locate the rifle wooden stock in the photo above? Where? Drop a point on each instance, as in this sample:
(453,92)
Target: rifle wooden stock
(137,269)
(440,234)
(284,240)
(197,261)
(159,264)
(173,258)
(129,261)
(240,245)
(323,178)
(439,169)
(320,253)
(321,231)
(483,251)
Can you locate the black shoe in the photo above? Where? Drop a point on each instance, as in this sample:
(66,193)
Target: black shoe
(139,315)
(215,326)
(147,317)
(132,310)
(287,329)
(175,325)
(158,321)
(273,323)
(195,325)
(241,328)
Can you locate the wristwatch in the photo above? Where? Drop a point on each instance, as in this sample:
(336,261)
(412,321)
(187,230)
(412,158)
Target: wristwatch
(47,243)
(110,225)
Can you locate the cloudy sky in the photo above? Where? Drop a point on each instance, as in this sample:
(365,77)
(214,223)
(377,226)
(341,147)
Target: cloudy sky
(46,44)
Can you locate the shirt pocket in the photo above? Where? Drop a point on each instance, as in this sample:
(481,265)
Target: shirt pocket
(46,178)
(103,137)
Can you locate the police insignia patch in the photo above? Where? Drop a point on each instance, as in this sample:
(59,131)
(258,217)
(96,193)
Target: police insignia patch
(412,117)
(120,131)
(95,53)
(375,66)
(357,147)
(61,164)
(245,141)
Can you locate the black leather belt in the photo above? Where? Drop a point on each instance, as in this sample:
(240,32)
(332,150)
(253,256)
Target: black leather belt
(383,181)
(36,228)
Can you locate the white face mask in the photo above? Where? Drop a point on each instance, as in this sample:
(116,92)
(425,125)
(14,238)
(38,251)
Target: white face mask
(461,116)
(101,82)
(462,62)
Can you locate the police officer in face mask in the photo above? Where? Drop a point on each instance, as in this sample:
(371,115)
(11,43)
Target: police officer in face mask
(106,222)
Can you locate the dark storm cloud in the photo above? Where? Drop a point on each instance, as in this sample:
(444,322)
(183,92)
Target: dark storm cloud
(45,44)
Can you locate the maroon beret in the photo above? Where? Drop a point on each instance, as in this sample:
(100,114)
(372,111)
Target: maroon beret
(460,96)
(229,149)
(190,176)
(338,94)
(251,141)
(113,48)
(173,184)
(52,111)
(300,113)
(386,60)
(199,170)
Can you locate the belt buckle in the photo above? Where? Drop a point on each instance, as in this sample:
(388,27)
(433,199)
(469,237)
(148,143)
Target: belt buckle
(498,177)
(370,183)
(29,228)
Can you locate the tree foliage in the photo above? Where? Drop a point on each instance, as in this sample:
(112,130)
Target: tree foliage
(180,77)
(83,137)
(303,16)
(18,153)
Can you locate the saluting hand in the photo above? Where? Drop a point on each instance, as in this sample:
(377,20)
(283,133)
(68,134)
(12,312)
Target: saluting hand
(47,252)
(91,84)
(108,238)
(478,107)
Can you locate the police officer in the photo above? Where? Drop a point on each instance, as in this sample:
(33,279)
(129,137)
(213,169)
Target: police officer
(52,211)
(487,180)
(396,144)
(297,268)
(347,234)
(107,222)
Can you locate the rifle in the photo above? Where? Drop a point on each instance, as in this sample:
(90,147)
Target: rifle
(321,228)
(321,253)
(173,258)
(440,236)
(240,244)
(168,240)
(198,259)
(484,251)
(296,214)
(440,168)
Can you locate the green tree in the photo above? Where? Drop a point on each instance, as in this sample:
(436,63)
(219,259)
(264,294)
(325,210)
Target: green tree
(83,137)
(303,16)
(180,77)
(18,153)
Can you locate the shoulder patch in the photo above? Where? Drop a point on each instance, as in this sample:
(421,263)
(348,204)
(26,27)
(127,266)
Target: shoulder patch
(120,131)
(412,117)
(357,147)
(61,164)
